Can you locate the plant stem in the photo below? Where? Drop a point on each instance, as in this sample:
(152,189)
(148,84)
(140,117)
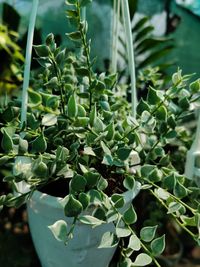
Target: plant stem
(131,59)
(58,75)
(133,233)
(179,223)
(172,196)
(86,51)
(28,61)
(115,34)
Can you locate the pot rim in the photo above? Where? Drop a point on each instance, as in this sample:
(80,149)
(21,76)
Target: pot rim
(55,202)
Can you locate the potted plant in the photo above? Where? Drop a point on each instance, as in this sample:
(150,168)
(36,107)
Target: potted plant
(81,157)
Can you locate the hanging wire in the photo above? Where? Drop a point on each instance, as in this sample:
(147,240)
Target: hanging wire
(130,51)
(115,34)
(28,61)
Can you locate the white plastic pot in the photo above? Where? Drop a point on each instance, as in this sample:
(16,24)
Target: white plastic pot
(82,250)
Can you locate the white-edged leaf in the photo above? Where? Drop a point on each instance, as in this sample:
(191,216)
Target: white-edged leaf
(158,245)
(108,240)
(59,230)
(147,233)
(134,243)
(88,151)
(161,193)
(142,260)
(49,119)
(87,219)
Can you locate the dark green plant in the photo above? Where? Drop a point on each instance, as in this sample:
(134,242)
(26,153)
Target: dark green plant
(81,132)
(11,57)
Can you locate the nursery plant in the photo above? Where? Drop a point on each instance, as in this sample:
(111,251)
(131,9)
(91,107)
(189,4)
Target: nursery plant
(81,143)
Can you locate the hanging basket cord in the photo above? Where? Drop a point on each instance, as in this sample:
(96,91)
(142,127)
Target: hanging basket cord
(27,66)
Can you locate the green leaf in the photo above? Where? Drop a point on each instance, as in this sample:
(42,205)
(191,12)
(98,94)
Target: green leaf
(40,169)
(146,117)
(161,113)
(130,215)
(98,125)
(88,151)
(144,31)
(93,115)
(105,105)
(161,193)
(49,119)
(41,50)
(189,221)
(177,77)
(195,86)
(35,98)
(81,111)
(110,129)
(123,153)
(102,184)
(72,107)
(52,84)
(95,197)
(122,231)
(82,71)
(23,146)
(50,40)
(179,190)
(147,233)
(146,169)
(142,260)
(91,178)
(108,240)
(61,56)
(87,219)
(158,245)
(171,121)
(152,97)
(118,200)
(129,182)
(73,207)
(81,122)
(134,243)
(59,230)
(171,134)
(78,183)
(139,25)
(84,199)
(3,160)
(62,154)
(155,175)
(72,14)
(74,36)
(170,181)
(184,103)
(142,105)
(106,150)
(39,145)
(107,160)
(100,214)
(175,207)
(6,142)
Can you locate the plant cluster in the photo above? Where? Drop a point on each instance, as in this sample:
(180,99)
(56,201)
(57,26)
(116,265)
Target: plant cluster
(11,56)
(81,132)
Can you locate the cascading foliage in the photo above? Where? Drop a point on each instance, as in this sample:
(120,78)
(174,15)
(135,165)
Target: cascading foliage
(81,131)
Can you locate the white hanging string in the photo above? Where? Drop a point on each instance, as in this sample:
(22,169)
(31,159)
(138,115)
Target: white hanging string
(28,61)
(115,34)
(130,51)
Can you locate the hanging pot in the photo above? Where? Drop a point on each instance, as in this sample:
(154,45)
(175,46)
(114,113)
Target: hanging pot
(82,250)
